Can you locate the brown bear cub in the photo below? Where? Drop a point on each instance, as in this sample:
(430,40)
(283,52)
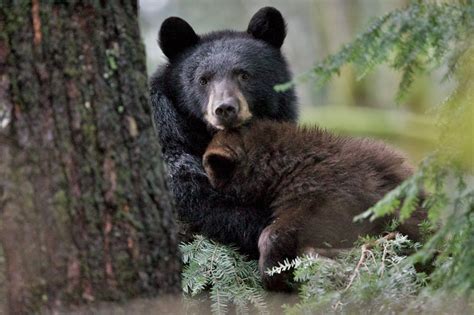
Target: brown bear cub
(313,183)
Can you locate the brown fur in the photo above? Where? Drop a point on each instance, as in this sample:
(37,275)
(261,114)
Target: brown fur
(314,183)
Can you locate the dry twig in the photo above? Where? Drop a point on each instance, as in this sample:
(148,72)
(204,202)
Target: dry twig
(365,251)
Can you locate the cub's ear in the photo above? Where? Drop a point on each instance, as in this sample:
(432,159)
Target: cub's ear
(219,166)
(175,36)
(268,25)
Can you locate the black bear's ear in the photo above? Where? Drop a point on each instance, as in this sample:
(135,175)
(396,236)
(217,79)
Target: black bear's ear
(268,25)
(219,166)
(175,36)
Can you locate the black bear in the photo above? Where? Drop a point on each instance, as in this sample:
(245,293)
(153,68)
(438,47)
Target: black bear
(313,182)
(216,81)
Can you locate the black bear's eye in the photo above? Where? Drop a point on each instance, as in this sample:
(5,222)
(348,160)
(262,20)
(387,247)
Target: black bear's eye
(203,81)
(244,76)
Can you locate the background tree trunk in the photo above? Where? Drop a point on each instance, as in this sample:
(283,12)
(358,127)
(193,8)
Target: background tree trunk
(84,210)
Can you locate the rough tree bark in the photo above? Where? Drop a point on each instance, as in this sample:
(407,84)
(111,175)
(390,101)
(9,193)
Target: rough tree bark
(84,210)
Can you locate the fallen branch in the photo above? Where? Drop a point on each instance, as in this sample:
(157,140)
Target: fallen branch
(365,251)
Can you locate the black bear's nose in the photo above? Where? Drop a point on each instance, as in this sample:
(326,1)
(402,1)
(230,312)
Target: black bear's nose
(226,111)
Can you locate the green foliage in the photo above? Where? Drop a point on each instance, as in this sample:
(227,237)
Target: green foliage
(230,278)
(411,40)
(378,278)
(446,177)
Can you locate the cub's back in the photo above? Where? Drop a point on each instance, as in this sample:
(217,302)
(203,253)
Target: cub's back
(322,161)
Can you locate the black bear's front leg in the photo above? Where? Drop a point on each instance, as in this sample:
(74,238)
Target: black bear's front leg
(277,242)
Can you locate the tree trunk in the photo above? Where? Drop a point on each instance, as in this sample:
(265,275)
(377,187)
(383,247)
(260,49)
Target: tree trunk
(84,210)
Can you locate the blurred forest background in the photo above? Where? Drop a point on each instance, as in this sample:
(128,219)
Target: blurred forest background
(316,29)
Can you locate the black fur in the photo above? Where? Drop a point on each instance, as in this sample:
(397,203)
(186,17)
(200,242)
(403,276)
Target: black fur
(268,25)
(175,36)
(178,101)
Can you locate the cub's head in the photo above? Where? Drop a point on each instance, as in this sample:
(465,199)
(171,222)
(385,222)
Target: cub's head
(224,158)
(226,78)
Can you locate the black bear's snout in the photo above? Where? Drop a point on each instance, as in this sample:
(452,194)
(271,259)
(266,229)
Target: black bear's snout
(227,111)
(227,106)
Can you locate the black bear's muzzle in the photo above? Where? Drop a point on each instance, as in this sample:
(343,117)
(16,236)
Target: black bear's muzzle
(227,106)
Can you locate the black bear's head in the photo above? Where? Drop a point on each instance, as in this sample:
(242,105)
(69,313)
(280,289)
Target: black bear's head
(226,78)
